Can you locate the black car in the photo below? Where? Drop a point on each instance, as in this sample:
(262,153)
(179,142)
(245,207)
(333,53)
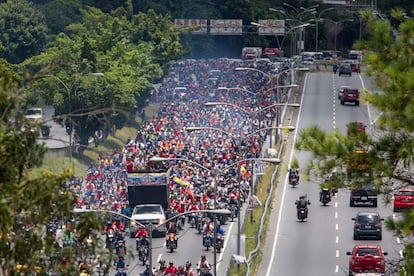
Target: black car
(367,224)
(345,69)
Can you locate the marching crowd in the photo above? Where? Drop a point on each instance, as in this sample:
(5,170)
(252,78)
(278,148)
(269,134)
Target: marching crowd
(231,131)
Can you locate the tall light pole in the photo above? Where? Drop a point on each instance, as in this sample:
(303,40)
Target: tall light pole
(317,20)
(337,23)
(271,77)
(215,173)
(69,93)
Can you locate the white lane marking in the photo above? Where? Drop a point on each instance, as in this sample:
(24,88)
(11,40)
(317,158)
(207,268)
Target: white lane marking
(336,268)
(336,226)
(336,215)
(401,254)
(159,258)
(226,240)
(398,240)
(337,239)
(336,204)
(337,253)
(286,183)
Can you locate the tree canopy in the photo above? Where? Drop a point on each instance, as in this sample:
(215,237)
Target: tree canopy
(23,31)
(104,67)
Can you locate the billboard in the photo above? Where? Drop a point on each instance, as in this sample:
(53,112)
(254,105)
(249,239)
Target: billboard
(200,24)
(226,26)
(271,27)
(148,179)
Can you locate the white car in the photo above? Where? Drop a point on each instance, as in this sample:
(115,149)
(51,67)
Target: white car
(35,113)
(148,214)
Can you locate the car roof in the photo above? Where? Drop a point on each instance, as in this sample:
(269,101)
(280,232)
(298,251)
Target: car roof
(406,190)
(366,245)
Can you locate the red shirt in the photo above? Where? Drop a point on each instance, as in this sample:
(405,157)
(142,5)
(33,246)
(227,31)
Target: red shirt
(171,269)
(141,233)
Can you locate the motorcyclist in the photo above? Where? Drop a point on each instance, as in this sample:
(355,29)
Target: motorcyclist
(203,266)
(303,202)
(324,192)
(171,269)
(293,174)
(142,232)
(189,269)
(69,238)
(193,207)
(334,67)
(172,230)
(121,265)
(207,230)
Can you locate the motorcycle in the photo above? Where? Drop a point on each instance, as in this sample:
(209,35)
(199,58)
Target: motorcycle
(110,239)
(302,214)
(171,243)
(207,240)
(180,222)
(192,221)
(219,242)
(233,211)
(293,180)
(199,224)
(120,247)
(121,271)
(143,253)
(325,197)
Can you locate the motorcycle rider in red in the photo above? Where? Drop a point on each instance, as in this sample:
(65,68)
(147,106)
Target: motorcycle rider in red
(142,232)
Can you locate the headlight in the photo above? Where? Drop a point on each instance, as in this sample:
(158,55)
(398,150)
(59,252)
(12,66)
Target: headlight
(132,222)
(161,221)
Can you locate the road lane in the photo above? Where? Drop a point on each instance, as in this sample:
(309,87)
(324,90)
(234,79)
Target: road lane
(319,245)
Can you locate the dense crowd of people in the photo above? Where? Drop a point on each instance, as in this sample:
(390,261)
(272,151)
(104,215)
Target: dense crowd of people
(231,132)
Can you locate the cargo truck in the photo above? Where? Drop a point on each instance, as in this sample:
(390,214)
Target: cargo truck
(148,196)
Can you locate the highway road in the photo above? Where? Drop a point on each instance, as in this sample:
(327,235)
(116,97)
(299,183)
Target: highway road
(189,249)
(318,246)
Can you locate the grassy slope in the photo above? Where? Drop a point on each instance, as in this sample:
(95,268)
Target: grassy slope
(117,142)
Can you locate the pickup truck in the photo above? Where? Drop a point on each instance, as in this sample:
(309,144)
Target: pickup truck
(363,195)
(148,214)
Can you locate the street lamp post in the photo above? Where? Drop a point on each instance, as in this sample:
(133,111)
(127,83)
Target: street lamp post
(271,160)
(69,93)
(317,20)
(272,86)
(337,23)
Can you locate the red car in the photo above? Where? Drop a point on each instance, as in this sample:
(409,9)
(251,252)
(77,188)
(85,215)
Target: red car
(403,199)
(366,258)
(350,95)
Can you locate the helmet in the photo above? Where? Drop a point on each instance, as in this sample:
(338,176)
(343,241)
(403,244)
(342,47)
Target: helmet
(188,264)
(203,257)
(141,227)
(302,197)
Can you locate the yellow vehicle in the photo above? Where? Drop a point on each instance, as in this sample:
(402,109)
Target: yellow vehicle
(359,162)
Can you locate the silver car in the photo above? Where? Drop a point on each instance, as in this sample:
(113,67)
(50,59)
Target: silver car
(341,90)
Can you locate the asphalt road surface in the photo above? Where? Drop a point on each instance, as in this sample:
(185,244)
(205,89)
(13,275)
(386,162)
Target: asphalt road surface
(318,246)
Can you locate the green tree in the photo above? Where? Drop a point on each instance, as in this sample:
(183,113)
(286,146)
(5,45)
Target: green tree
(22,30)
(30,197)
(127,54)
(389,157)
